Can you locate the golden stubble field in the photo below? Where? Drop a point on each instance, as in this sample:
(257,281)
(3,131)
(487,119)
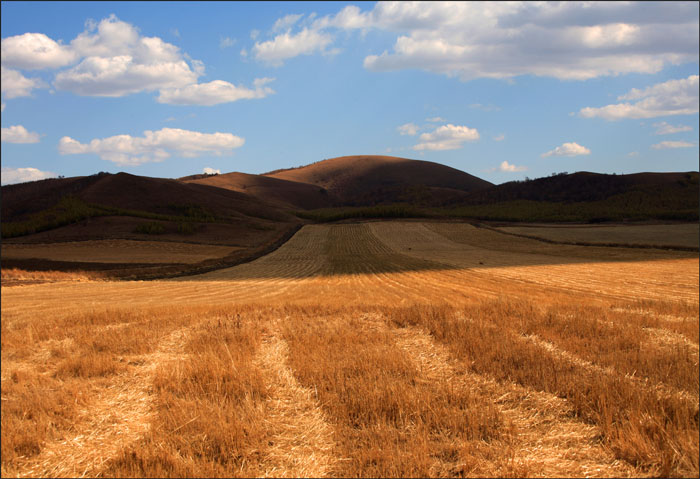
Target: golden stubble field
(373,349)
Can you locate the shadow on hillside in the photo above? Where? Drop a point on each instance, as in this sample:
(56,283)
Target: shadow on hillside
(281,265)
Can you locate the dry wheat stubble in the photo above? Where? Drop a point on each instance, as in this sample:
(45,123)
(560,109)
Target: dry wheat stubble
(341,268)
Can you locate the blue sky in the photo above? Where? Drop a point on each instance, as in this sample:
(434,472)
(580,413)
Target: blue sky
(501,91)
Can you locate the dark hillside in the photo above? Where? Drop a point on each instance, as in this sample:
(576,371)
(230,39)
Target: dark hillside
(581,186)
(371,180)
(285,193)
(146,206)
(586,197)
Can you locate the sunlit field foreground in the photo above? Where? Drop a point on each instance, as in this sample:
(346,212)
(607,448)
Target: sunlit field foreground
(375,349)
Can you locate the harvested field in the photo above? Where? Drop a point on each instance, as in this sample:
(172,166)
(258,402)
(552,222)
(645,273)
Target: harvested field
(373,349)
(117,251)
(672,235)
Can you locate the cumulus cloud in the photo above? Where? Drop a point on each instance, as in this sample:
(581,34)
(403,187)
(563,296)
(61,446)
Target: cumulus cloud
(19,134)
(287,45)
(118,61)
(568,149)
(154,146)
(672,144)
(226,42)
(215,92)
(673,97)
(210,171)
(34,51)
(446,137)
(408,129)
(565,40)
(664,128)
(20,175)
(286,22)
(508,168)
(112,59)
(13,84)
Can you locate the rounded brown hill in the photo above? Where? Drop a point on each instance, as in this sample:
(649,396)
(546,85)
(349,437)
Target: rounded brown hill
(107,206)
(272,190)
(367,179)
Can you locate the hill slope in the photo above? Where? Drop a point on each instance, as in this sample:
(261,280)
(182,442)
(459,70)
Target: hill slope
(75,209)
(271,190)
(580,186)
(586,197)
(369,179)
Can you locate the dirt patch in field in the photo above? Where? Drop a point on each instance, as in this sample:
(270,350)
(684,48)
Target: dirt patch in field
(118,251)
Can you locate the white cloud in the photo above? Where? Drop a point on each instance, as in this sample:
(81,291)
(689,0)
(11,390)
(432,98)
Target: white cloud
(286,45)
(210,171)
(565,40)
(254,34)
(226,42)
(154,146)
(446,137)
(435,119)
(507,167)
(19,134)
(633,154)
(118,61)
(34,51)
(500,137)
(215,92)
(121,75)
(408,129)
(13,84)
(349,17)
(673,97)
(664,128)
(568,149)
(20,175)
(3,107)
(111,59)
(286,22)
(672,144)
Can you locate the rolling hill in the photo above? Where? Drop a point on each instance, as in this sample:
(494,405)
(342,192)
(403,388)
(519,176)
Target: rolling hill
(371,180)
(585,197)
(580,186)
(247,211)
(283,193)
